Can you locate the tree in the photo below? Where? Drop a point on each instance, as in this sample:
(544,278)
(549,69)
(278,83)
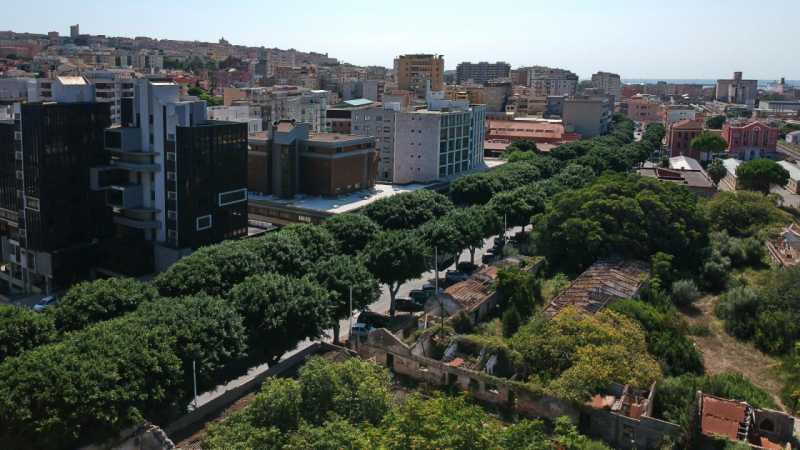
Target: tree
(214,270)
(449,422)
(717,171)
(708,143)
(91,302)
(518,206)
(520,289)
(473,225)
(395,257)
(317,241)
(743,213)
(110,376)
(624,215)
(443,237)
(283,253)
(343,274)
(583,354)
(521,145)
(351,231)
(654,133)
(474,189)
(715,122)
(280,311)
(356,390)
(408,210)
(22,329)
(760,174)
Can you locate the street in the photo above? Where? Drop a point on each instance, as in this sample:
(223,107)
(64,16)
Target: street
(379,306)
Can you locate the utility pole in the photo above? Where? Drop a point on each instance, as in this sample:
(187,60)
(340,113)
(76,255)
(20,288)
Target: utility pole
(436,284)
(350,330)
(194,381)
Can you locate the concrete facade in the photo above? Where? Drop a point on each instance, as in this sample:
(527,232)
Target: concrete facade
(737,90)
(482,72)
(610,83)
(589,116)
(414,72)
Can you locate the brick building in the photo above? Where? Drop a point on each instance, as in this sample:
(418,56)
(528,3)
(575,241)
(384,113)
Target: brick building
(750,140)
(679,138)
(291,160)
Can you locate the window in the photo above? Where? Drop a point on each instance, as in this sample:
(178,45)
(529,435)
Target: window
(172,215)
(172,235)
(203,223)
(32,203)
(231,197)
(172,195)
(171,176)
(170,156)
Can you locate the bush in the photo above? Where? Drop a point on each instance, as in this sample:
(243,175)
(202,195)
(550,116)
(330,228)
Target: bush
(737,308)
(684,292)
(715,271)
(462,324)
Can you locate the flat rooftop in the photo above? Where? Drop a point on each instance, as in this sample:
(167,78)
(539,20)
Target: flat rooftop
(336,137)
(343,203)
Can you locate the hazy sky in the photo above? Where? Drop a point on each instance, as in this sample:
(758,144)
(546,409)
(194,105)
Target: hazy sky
(637,39)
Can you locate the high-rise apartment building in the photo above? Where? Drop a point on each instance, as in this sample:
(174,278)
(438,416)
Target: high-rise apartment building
(482,72)
(74,31)
(442,141)
(609,83)
(111,86)
(737,90)
(176,180)
(548,81)
(51,218)
(414,72)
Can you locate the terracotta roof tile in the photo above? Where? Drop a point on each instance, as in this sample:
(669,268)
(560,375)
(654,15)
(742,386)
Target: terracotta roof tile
(605,282)
(722,417)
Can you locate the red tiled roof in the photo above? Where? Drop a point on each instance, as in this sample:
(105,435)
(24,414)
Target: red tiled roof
(456,362)
(601,284)
(470,293)
(688,124)
(722,417)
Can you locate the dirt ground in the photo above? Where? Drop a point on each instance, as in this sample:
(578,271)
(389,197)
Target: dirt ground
(723,353)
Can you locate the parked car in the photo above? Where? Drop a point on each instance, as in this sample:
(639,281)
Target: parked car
(45,303)
(361,329)
(373,319)
(466,267)
(487,257)
(407,305)
(420,296)
(453,277)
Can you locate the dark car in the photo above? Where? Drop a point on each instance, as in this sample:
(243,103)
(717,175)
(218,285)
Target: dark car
(407,305)
(374,319)
(420,296)
(487,257)
(453,277)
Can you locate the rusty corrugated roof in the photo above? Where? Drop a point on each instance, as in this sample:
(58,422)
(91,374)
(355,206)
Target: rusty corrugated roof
(601,284)
(722,417)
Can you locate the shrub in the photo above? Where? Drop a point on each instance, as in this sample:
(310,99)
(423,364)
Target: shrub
(684,292)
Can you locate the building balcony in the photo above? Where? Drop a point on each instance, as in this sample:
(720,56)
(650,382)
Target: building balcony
(124,197)
(136,166)
(123,139)
(139,224)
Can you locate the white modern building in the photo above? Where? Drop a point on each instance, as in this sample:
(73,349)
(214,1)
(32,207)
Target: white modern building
(439,142)
(242,113)
(282,103)
(676,113)
(547,81)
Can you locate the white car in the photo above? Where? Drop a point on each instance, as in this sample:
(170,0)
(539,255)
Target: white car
(45,303)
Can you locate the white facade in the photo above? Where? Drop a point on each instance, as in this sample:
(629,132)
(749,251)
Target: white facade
(293,103)
(424,146)
(547,81)
(673,115)
(243,114)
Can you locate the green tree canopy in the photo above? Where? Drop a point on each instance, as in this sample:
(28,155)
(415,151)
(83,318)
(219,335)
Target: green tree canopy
(742,214)
(110,376)
(708,142)
(214,270)
(22,329)
(408,210)
(90,302)
(280,311)
(341,274)
(625,215)
(717,171)
(760,174)
(518,206)
(351,231)
(395,257)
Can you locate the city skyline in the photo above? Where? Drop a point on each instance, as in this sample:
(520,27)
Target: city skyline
(637,41)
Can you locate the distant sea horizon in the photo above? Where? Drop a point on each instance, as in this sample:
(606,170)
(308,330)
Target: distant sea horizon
(703,81)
